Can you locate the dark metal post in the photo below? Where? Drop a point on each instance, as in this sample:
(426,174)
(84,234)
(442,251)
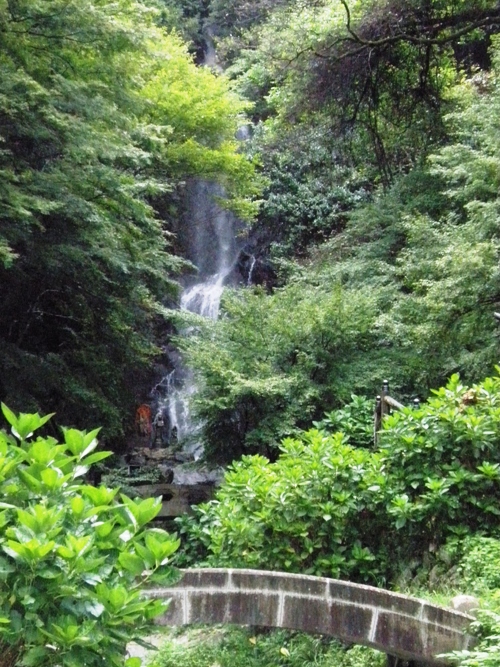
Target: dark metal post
(384,406)
(377,419)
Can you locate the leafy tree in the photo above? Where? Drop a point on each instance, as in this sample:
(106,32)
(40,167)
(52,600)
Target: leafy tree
(74,557)
(310,189)
(347,97)
(102,114)
(439,245)
(377,74)
(273,363)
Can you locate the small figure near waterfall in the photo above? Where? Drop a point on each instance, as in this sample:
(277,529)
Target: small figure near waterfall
(143,420)
(174,438)
(158,430)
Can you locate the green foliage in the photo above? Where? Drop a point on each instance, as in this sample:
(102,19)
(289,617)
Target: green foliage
(273,363)
(480,564)
(317,510)
(310,189)
(102,115)
(377,74)
(241,648)
(347,96)
(487,651)
(416,279)
(446,478)
(479,573)
(354,420)
(75,557)
(326,507)
(125,480)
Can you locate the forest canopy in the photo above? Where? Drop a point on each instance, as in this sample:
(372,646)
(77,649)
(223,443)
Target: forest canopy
(372,148)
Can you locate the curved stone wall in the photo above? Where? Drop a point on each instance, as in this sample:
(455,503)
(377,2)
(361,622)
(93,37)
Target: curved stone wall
(399,625)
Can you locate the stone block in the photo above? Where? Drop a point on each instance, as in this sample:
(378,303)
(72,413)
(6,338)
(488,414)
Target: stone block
(442,640)
(375,597)
(345,621)
(442,616)
(175,612)
(288,583)
(405,636)
(204,578)
(235,607)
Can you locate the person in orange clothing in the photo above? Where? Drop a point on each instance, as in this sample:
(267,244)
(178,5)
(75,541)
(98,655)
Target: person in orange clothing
(143,420)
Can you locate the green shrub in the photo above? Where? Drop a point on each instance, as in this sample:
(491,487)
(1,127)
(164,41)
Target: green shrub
(479,567)
(355,420)
(444,463)
(327,508)
(316,510)
(75,558)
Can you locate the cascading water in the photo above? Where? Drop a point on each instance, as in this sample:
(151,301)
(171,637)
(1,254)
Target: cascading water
(253,261)
(210,242)
(209,238)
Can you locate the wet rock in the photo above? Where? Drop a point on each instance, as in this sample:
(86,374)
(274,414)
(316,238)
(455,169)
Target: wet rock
(167,474)
(195,477)
(183,457)
(255,270)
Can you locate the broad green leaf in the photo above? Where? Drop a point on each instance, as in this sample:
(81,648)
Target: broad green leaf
(133,662)
(95,458)
(131,562)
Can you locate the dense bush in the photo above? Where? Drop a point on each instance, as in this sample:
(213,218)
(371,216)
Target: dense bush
(326,507)
(75,557)
(274,363)
(354,420)
(301,513)
(444,474)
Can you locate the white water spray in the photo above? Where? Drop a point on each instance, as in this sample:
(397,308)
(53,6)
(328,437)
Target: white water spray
(211,246)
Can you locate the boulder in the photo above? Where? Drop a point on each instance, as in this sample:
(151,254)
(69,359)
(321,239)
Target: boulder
(467,604)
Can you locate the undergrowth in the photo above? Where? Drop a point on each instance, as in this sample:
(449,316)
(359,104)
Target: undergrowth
(238,647)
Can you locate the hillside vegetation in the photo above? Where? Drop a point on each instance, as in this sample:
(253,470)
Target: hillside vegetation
(376,126)
(370,187)
(103,114)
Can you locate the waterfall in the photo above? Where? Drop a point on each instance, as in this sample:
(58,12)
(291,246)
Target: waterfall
(209,237)
(253,261)
(211,246)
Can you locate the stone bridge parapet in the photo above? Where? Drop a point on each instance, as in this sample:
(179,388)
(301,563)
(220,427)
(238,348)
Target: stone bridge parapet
(399,625)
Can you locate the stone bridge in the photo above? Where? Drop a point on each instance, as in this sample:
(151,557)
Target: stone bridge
(398,625)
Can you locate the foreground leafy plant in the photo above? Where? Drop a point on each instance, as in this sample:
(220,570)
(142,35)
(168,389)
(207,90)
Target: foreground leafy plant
(75,558)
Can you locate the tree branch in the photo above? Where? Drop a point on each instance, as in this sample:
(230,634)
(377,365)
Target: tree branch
(434,27)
